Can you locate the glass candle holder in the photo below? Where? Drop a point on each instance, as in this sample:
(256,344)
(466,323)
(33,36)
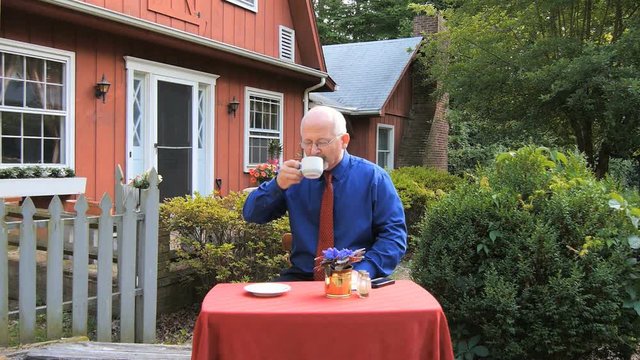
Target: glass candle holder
(364,284)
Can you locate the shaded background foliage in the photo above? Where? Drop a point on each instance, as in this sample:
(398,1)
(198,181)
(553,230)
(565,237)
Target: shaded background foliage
(342,22)
(569,69)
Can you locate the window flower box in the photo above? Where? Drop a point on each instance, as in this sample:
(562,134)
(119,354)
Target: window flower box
(42,186)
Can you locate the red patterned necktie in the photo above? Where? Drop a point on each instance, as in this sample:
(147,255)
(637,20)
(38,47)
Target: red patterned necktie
(325,232)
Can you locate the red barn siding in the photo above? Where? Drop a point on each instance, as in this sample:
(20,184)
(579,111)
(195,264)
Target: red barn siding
(399,103)
(219,20)
(100,129)
(359,131)
(364,134)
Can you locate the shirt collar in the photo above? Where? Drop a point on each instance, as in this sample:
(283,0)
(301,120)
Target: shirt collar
(341,169)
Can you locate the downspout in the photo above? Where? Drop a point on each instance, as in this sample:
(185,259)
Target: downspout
(305,98)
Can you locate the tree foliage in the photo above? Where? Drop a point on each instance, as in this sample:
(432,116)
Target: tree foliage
(566,67)
(362,20)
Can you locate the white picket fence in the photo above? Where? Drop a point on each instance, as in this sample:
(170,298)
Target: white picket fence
(135,232)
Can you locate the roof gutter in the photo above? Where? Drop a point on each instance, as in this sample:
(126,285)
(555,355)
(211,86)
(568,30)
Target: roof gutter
(305,98)
(114,16)
(351,110)
(366,112)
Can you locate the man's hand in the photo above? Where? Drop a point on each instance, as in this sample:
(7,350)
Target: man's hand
(289,174)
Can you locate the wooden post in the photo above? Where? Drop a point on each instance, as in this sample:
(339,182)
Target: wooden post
(127,275)
(149,258)
(105,271)
(27,268)
(80,268)
(55,247)
(4,280)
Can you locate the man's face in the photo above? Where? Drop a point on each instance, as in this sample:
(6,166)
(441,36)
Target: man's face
(319,139)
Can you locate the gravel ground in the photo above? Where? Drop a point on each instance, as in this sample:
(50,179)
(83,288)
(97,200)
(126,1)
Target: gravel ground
(177,328)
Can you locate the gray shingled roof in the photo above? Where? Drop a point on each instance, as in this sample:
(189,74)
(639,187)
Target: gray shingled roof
(365,73)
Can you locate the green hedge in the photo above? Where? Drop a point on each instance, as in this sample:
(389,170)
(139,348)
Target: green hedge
(418,187)
(215,241)
(532,262)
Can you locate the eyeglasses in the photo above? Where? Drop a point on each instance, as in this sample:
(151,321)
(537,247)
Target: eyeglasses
(319,144)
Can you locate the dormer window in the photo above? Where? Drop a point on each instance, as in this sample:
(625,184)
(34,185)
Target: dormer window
(287,44)
(247,4)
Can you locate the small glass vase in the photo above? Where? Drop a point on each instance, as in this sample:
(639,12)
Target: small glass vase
(338,284)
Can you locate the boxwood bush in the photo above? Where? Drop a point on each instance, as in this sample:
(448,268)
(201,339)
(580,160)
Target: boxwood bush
(218,245)
(418,187)
(534,260)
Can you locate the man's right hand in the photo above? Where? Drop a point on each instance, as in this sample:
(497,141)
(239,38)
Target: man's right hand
(289,174)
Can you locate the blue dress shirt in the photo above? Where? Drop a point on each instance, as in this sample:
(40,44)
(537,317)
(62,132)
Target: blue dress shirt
(367,211)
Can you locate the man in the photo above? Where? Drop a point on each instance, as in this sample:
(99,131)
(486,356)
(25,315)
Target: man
(367,212)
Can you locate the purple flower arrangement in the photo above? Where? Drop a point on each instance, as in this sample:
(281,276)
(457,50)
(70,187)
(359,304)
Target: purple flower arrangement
(333,259)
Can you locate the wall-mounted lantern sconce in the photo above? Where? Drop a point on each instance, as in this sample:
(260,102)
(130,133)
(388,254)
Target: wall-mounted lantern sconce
(233,106)
(102,88)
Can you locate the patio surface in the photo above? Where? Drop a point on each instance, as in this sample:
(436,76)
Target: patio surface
(87,350)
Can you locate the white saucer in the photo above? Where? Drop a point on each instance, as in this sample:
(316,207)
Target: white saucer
(267,289)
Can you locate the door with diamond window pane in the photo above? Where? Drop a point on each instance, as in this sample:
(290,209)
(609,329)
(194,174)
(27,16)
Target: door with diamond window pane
(170,126)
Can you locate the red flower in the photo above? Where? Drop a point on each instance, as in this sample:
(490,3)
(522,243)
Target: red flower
(263,172)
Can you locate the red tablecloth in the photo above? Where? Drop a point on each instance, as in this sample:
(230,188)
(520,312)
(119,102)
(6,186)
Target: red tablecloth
(401,321)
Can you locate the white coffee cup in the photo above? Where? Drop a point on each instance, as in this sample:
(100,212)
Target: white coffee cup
(312,167)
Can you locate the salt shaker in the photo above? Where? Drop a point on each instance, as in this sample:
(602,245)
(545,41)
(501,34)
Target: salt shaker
(364,284)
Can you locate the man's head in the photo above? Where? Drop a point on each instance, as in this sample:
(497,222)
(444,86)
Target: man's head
(324,134)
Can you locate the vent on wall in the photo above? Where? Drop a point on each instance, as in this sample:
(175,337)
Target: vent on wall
(287,44)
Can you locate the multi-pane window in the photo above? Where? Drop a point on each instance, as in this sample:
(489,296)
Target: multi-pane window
(264,123)
(385,147)
(33,106)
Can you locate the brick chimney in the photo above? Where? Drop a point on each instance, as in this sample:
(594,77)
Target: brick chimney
(425,137)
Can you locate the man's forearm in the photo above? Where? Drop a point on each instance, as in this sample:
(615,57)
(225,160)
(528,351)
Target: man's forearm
(264,204)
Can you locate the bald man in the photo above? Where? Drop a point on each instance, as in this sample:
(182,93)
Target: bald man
(367,211)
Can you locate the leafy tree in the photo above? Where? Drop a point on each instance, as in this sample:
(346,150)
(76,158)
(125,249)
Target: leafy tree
(566,68)
(331,18)
(362,20)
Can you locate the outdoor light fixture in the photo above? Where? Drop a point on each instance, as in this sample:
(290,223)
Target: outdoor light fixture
(233,106)
(102,88)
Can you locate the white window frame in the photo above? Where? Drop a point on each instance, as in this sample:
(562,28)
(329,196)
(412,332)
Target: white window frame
(245,4)
(248,92)
(391,144)
(283,31)
(69,58)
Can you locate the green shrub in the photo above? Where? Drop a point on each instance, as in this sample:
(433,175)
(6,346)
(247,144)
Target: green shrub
(216,242)
(532,259)
(418,187)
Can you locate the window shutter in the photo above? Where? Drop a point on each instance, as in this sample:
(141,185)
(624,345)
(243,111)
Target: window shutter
(287,44)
